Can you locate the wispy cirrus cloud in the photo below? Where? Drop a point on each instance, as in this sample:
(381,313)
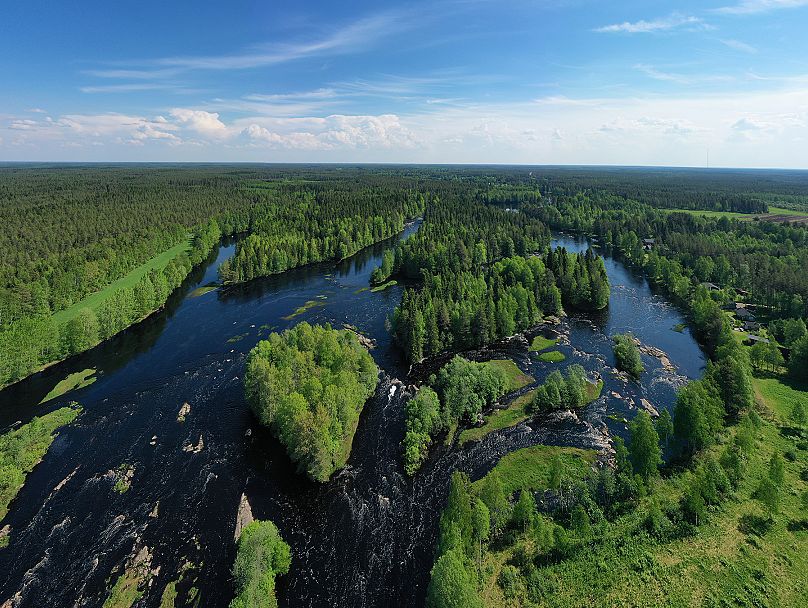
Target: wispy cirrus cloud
(737,45)
(751,7)
(671,22)
(351,38)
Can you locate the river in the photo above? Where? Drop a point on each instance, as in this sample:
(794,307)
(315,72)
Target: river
(363,539)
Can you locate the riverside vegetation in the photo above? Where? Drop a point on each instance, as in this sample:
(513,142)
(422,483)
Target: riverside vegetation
(706,527)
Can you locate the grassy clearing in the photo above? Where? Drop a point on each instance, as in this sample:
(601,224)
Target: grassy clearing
(73,382)
(513,414)
(94,300)
(383,286)
(201,291)
(22,449)
(552,356)
(302,309)
(773,211)
(529,468)
(516,377)
(542,343)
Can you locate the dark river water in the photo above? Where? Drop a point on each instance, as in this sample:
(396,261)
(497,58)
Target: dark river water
(363,539)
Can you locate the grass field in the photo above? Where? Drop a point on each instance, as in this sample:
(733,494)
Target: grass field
(22,449)
(516,377)
(513,414)
(74,381)
(516,412)
(542,343)
(529,468)
(774,214)
(94,300)
(552,356)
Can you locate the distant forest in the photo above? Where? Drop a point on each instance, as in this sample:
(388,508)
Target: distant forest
(81,245)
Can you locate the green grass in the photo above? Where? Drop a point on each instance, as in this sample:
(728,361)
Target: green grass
(22,449)
(126,590)
(73,382)
(362,290)
(302,309)
(383,286)
(201,291)
(237,338)
(516,378)
(680,327)
(529,468)
(542,343)
(736,558)
(515,413)
(740,216)
(553,356)
(94,300)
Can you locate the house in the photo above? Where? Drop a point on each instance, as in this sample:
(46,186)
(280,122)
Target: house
(751,325)
(753,339)
(742,314)
(711,286)
(648,244)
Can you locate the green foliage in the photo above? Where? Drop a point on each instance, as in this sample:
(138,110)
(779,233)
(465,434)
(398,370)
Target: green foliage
(309,385)
(262,556)
(423,419)
(23,448)
(664,426)
(451,584)
(798,362)
(698,414)
(571,392)
(627,354)
(646,455)
(466,387)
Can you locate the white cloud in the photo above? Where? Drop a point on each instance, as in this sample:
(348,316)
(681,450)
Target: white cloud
(204,123)
(356,36)
(128,88)
(750,7)
(737,45)
(673,21)
(732,129)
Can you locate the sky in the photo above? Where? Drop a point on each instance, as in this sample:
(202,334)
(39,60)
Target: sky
(718,83)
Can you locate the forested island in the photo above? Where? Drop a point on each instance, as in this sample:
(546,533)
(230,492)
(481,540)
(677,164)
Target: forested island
(309,385)
(520,440)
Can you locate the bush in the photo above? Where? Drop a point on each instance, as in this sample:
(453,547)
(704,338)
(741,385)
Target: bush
(262,555)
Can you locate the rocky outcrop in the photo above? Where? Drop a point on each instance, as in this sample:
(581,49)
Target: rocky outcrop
(244,516)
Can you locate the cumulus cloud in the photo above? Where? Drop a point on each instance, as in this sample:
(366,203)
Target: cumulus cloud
(204,123)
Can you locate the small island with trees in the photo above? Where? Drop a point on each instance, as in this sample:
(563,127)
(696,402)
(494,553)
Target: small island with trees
(309,385)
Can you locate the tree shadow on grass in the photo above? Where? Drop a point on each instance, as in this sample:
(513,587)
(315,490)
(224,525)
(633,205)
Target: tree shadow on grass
(754,524)
(798,525)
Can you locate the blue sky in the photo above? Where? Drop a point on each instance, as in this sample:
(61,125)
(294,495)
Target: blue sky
(712,83)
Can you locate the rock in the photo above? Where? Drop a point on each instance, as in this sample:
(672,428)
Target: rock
(195,449)
(244,516)
(154,511)
(5,531)
(153,440)
(646,405)
(184,411)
